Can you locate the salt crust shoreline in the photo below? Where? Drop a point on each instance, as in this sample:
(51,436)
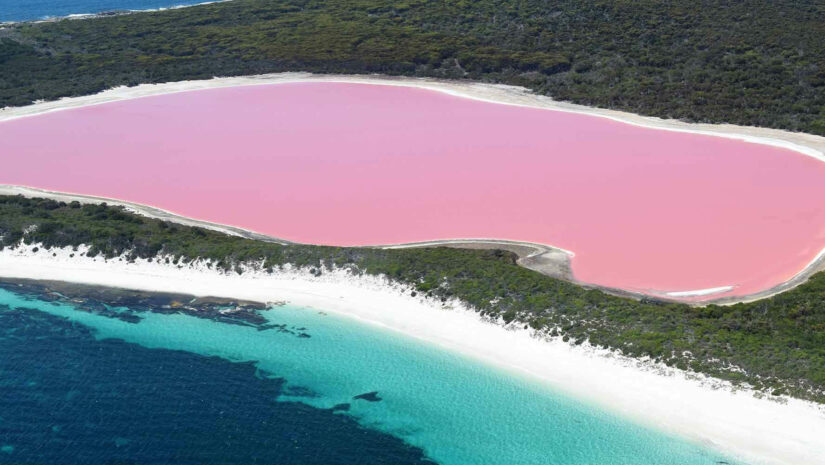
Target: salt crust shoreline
(701,409)
(806,144)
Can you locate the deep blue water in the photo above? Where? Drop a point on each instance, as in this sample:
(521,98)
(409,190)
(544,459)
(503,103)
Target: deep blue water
(145,381)
(67,398)
(24,10)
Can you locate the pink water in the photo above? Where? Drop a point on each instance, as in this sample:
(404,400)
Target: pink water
(351,164)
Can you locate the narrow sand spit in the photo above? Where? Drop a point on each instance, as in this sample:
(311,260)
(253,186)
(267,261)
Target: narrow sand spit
(700,409)
(145,210)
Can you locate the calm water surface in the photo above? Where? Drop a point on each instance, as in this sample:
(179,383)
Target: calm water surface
(24,10)
(99,384)
(353,164)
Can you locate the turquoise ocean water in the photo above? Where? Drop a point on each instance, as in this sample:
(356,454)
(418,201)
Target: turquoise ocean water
(26,10)
(456,410)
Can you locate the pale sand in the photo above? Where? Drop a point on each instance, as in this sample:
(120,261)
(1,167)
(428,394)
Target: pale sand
(555,262)
(700,292)
(695,407)
(145,210)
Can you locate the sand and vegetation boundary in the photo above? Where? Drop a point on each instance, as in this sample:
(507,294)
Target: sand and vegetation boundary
(770,430)
(746,344)
(773,345)
(144,210)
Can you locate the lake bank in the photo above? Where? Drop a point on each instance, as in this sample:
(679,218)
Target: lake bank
(807,144)
(692,217)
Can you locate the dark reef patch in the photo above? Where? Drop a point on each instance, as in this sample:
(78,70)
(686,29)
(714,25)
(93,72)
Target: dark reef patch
(341,407)
(67,398)
(127,305)
(368,396)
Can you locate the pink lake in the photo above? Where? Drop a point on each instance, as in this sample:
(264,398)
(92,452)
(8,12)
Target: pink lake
(354,164)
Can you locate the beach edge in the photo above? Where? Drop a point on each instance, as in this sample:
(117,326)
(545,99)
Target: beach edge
(701,409)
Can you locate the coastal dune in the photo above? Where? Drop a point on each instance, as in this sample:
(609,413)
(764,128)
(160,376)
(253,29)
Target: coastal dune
(710,412)
(670,212)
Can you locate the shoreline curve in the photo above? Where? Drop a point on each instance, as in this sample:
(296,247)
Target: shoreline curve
(550,262)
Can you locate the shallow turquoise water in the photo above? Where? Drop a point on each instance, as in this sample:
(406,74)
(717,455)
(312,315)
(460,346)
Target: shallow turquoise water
(459,411)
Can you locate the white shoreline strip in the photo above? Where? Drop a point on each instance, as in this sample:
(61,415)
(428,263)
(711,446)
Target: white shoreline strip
(700,292)
(806,144)
(818,257)
(707,411)
(149,211)
(441,242)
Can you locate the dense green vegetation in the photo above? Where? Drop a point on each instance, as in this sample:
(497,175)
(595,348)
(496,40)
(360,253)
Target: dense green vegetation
(776,344)
(749,62)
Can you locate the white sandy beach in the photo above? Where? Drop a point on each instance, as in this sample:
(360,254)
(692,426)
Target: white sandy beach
(704,410)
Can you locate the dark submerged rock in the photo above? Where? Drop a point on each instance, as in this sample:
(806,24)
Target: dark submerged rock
(368,396)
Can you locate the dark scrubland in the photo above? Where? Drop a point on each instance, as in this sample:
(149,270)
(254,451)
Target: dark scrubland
(749,62)
(776,345)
